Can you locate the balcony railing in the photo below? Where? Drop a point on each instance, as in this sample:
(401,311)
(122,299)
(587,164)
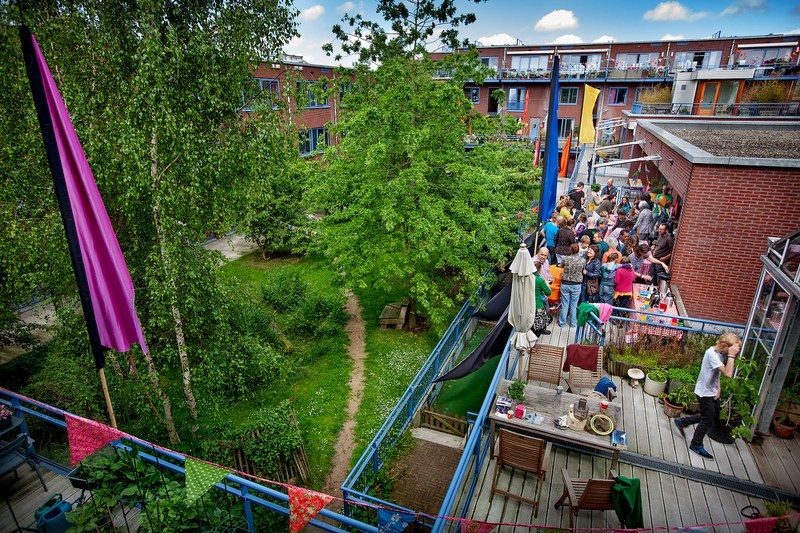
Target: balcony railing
(742,109)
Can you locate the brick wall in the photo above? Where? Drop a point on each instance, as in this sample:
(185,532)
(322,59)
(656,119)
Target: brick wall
(724,225)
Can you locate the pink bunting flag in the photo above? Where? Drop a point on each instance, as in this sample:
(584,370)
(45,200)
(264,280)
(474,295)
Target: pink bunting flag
(469,526)
(87,436)
(304,505)
(760,525)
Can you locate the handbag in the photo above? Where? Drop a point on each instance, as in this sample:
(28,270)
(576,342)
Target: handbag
(541,320)
(592,286)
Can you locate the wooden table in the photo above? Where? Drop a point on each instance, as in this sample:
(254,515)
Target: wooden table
(547,403)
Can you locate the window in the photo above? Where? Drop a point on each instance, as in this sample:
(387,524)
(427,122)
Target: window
(697,60)
(755,57)
(264,91)
(473,94)
(568,95)
(311,90)
(490,62)
(443,73)
(516,99)
(537,62)
(311,139)
(637,60)
(617,95)
(581,63)
(564,127)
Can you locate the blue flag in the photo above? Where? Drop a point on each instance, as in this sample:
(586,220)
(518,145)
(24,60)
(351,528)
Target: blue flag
(550,170)
(393,521)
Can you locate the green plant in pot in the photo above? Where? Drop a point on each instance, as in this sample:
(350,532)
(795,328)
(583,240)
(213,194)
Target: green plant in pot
(783,425)
(516,391)
(675,401)
(655,381)
(740,395)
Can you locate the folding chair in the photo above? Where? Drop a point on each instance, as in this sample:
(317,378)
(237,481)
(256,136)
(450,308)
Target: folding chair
(544,363)
(528,454)
(589,494)
(579,378)
(15,454)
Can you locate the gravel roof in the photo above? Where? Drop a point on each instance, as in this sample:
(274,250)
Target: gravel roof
(777,144)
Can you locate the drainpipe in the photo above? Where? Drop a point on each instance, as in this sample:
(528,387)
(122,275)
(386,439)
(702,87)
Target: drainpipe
(730,57)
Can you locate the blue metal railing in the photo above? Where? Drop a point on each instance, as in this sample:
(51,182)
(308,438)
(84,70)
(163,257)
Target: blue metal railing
(475,451)
(358,483)
(247,491)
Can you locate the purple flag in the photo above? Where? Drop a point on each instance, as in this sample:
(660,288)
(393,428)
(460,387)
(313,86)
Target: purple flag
(110,285)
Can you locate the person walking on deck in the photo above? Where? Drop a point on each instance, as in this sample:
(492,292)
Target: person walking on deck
(719,359)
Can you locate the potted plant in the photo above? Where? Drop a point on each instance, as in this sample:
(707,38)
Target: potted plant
(741,396)
(678,377)
(516,391)
(655,381)
(5,416)
(783,425)
(675,401)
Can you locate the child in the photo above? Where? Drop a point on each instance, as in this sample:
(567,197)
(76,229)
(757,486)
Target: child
(583,245)
(581,225)
(607,276)
(623,283)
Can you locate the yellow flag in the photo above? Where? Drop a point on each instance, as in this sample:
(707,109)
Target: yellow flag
(587,125)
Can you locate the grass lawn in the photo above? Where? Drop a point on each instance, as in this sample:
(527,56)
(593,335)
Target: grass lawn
(319,384)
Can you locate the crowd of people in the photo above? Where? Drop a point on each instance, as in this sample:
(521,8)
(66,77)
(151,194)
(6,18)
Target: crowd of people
(604,246)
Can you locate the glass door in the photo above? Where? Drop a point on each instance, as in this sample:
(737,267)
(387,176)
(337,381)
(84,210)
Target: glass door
(709,92)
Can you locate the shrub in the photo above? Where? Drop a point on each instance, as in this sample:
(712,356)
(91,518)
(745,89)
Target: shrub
(656,95)
(320,316)
(769,91)
(284,289)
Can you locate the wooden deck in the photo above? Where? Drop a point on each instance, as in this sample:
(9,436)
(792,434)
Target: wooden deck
(668,500)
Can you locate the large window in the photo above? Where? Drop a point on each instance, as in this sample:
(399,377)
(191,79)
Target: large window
(516,99)
(534,62)
(617,95)
(473,94)
(568,95)
(755,57)
(564,127)
(637,60)
(584,63)
(490,62)
(312,93)
(311,139)
(264,91)
(697,60)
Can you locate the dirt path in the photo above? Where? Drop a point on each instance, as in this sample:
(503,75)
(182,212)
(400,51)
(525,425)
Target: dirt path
(356,331)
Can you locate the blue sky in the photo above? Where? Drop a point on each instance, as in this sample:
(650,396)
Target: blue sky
(570,21)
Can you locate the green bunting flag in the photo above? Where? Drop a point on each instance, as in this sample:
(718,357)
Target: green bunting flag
(200,477)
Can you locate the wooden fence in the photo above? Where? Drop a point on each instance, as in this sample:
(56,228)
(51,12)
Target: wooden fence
(454,425)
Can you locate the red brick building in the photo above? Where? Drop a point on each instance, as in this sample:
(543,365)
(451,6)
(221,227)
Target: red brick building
(709,73)
(737,183)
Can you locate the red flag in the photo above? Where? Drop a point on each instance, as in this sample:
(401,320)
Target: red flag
(536,152)
(304,505)
(562,171)
(87,436)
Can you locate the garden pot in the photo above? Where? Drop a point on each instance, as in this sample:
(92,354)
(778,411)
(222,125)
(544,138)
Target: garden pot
(782,430)
(721,431)
(618,368)
(672,410)
(654,388)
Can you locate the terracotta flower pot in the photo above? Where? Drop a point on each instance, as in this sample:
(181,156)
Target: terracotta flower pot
(783,431)
(672,410)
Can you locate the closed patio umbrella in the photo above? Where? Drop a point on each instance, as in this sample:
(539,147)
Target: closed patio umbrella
(521,309)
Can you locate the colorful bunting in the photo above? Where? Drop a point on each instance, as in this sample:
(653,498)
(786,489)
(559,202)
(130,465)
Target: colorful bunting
(393,521)
(760,525)
(304,505)
(87,436)
(200,477)
(468,526)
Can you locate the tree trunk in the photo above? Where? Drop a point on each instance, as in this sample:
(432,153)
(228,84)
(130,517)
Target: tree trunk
(176,314)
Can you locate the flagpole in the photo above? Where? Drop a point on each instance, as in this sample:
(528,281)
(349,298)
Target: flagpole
(59,183)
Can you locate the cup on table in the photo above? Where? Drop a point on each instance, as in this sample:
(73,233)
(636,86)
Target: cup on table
(559,389)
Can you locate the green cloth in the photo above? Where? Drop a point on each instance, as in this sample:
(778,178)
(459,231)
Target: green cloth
(542,291)
(200,477)
(583,312)
(627,497)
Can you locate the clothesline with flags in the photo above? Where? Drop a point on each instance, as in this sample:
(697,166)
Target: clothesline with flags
(292,227)
(87,436)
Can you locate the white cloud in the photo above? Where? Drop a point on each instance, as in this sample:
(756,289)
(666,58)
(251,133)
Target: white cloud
(497,39)
(568,39)
(743,6)
(312,13)
(347,6)
(670,37)
(792,32)
(560,19)
(310,49)
(605,39)
(673,11)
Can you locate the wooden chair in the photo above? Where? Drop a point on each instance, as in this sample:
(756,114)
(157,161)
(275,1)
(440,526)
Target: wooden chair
(579,378)
(528,454)
(589,494)
(15,454)
(544,363)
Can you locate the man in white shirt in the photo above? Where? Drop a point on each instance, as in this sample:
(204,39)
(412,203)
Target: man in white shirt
(719,359)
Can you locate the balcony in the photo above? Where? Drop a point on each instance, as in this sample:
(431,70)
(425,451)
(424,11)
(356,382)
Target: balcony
(742,109)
